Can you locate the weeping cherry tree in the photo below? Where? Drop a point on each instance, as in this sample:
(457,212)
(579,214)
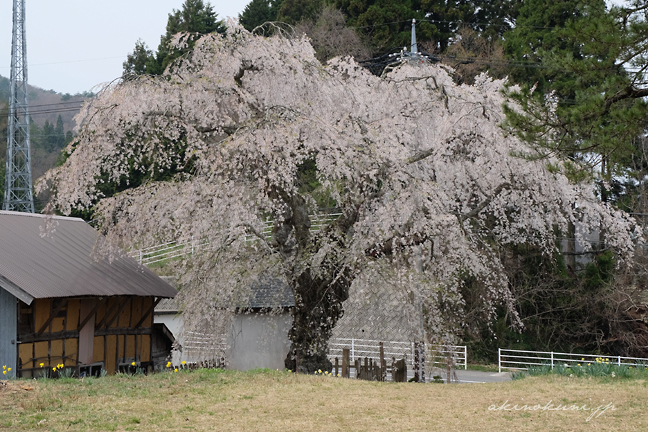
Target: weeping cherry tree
(247,129)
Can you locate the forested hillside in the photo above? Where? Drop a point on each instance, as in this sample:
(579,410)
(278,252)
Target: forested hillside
(52,116)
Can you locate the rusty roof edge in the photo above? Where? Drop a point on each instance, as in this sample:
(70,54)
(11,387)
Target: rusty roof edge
(15,290)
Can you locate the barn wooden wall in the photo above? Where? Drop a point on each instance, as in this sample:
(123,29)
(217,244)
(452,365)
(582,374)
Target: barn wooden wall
(120,334)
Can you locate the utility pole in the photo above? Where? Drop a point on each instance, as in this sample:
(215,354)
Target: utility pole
(413,47)
(18,194)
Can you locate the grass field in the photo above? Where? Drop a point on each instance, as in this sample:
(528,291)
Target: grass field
(281,401)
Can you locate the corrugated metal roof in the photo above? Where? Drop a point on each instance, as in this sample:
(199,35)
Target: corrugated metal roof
(270,292)
(52,256)
(266,292)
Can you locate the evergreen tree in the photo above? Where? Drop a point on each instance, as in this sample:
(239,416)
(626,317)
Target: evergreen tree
(538,33)
(446,17)
(597,114)
(596,106)
(140,61)
(59,133)
(388,23)
(492,18)
(258,12)
(295,11)
(195,17)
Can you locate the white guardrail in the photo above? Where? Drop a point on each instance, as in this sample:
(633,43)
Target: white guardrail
(361,348)
(173,249)
(521,360)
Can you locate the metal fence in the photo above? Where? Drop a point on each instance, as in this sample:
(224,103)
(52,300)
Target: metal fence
(198,347)
(441,354)
(436,355)
(522,360)
(173,249)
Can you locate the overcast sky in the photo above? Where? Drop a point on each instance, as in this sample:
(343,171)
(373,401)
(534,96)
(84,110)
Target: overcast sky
(73,45)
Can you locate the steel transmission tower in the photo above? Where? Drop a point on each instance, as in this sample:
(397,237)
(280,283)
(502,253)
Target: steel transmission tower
(18,181)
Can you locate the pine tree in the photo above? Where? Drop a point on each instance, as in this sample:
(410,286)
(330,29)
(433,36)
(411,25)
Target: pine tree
(140,61)
(258,12)
(195,18)
(596,109)
(538,33)
(59,133)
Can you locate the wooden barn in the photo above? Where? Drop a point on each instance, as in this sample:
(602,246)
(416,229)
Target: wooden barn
(62,303)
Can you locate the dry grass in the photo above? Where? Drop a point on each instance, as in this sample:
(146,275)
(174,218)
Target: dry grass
(269,401)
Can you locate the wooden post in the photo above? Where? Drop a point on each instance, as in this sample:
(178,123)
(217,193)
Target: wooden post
(366,370)
(336,366)
(383,363)
(417,362)
(345,363)
(422,361)
(399,371)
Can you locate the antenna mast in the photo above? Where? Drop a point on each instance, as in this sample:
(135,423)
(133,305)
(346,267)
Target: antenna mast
(18,181)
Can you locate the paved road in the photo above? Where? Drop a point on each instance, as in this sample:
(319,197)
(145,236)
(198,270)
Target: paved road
(468,376)
(463,376)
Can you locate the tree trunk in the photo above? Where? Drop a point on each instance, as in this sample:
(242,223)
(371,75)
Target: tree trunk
(318,307)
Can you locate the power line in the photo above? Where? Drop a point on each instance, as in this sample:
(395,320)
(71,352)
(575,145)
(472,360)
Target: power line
(45,111)
(71,61)
(457,22)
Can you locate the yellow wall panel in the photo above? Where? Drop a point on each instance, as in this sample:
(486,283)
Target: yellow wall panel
(58,324)
(120,347)
(137,310)
(73,308)
(124,317)
(111,354)
(71,352)
(25,351)
(146,348)
(111,317)
(41,309)
(130,346)
(101,312)
(56,351)
(41,353)
(98,349)
(146,304)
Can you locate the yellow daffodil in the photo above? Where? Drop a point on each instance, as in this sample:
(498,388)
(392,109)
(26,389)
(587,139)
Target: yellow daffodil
(168,364)
(133,364)
(4,366)
(4,372)
(183,362)
(54,369)
(9,369)
(175,370)
(41,365)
